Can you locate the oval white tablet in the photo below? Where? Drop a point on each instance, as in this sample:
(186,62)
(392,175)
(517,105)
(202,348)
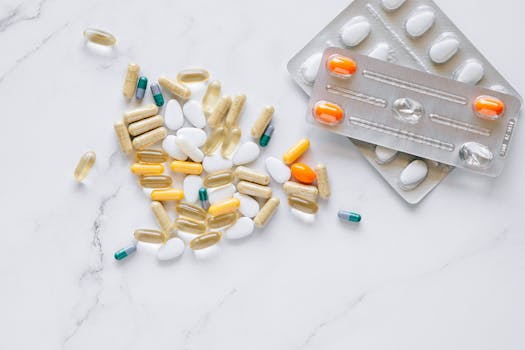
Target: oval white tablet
(172,249)
(219,194)
(310,67)
(193,112)
(194,135)
(381,52)
(384,155)
(242,228)
(216,162)
(246,153)
(172,149)
(278,170)
(471,72)
(189,148)
(355,31)
(307,218)
(413,174)
(443,49)
(391,5)
(191,186)
(249,206)
(419,23)
(173,117)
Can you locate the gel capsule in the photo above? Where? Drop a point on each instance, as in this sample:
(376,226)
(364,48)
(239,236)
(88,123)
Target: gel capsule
(219,112)
(190,226)
(266,136)
(346,215)
(157,94)
(231,141)
(267,211)
(145,125)
(185,167)
(224,207)
(126,251)
(191,211)
(168,194)
(221,221)
(302,204)
(251,175)
(140,113)
(193,75)
(488,107)
(296,151)
(262,122)
(155,181)
(149,236)
(303,173)
(328,113)
(219,178)
(213,141)
(151,156)
(255,190)
(132,75)
(175,88)
(100,37)
(123,137)
(232,118)
(141,88)
(211,96)
(150,138)
(205,240)
(145,168)
(341,66)
(84,165)
(162,217)
(203,197)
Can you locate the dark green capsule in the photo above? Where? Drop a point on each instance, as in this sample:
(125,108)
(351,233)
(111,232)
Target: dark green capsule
(157,94)
(141,88)
(266,136)
(203,196)
(346,215)
(125,252)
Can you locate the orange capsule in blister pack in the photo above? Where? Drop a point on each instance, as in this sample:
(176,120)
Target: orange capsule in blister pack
(488,107)
(328,113)
(341,66)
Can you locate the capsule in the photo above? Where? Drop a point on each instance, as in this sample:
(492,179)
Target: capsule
(346,215)
(254,190)
(155,181)
(222,221)
(224,207)
(185,167)
(302,204)
(140,113)
(205,240)
(157,94)
(193,75)
(251,175)
(149,236)
(141,87)
(266,212)
(322,180)
(132,75)
(262,122)
(151,156)
(213,141)
(328,113)
(203,197)
(191,211)
(232,118)
(218,178)
(100,37)
(145,125)
(296,151)
(150,138)
(162,217)
(84,165)
(146,168)
(190,226)
(123,137)
(266,136)
(488,107)
(341,66)
(303,173)
(231,141)
(166,195)
(305,191)
(219,111)
(125,252)
(175,88)
(211,96)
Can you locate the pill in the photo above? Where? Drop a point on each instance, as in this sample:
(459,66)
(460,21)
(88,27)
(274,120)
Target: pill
(145,168)
(307,218)
(346,215)
(475,155)
(303,173)
(277,170)
(203,197)
(413,175)
(123,137)
(221,221)
(234,113)
(310,67)
(323,183)
(206,240)
(302,204)
(384,155)
(191,186)
(149,236)
(247,153)
(150,138)
(142,84)
(126,251)
(249,207)
(224,207)
(219,111)
(173,115)
(328,113)
(266,212)
(192,151)
(162,217)
(195,135)
(266,136)
(211,96)
(151,156)
(355,31)
(391,5)
(186,167)
(296,151)
(213,141)
(194,114)
(100,37)
(471,72)
(242,228)
(191,211)
(168,194)
(231,140)
(216,162)
(140,113)
(444,48)
(145,125)
(190,226)
(306,191)
(169,145)
(218,178)
(262,122)
(157,94)
(251,175)
(419,23)
(381,52)
(130,83)
(341,66)
(488,107)
(175,88)
(84,165)
(172,249)
(255,190)
(220,194)
(155,181)
(193,75)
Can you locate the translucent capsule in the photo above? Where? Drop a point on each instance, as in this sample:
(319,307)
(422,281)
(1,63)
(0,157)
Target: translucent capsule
(262,122)
(221,221)
(251,175)
(297,189)
(211,96)
(219,178)
(162,217)
(140,113)
(190,226)
(193,75)
(328,113)
(203,197)
(231,141)
(266,212)
(145,125)
(303,173)
(175,88)
(130,83)
(213,141)
(141,87)
(205,240)
(123,137)
(155,181)
(341,66)
(151,156)
(126,251)
(346,215)
(100,37)
(84,165)
(266,136)
(302,204)
(157,94)
(191,211)
(168,194)
(232,118)
(254,190)
(488,107)
(146,168)
(149,236)
(185,167)
(322,180)
(224,207)
(219,112)
(150,138)
(296,151)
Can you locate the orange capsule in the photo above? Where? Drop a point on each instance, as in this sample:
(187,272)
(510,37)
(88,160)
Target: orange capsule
(341,66)
(328,113)
(488,107)
(303,173)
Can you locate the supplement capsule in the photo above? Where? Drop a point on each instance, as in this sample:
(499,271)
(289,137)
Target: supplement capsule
(346,215)
(145,125)
(219,112)
(140,113)
(262,122)
(149,236)
(155,181)
(322,180)
(300,190)
(150,138)
(191,211)
(232,118)
(213,141)
(254,190)
(302,204)
(251,175)
(123,137)
(489,108)
(84,165)
(175,88)
(190,226)
(141,88)
(100,37)
(157,94)
(296,151)
(224,207)
(211,96)
(303,173)
(218,178)
(151,156)
(341,66)
(205,240)
(221,221)
(162,217)
(231,141)
(132,75)
(145,168)
(168,194)
(266,212)
(328,113)
(185,167)
(203,197)
(125,252)
(266,136)
(193,75)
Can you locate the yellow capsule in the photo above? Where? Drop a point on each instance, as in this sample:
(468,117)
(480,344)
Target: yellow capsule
(232,118)
(175,88)
(302,204)
(251,175)
(140,113)
(185,167)
(168,194)
(306,191)
(224,207)
(213,141)
(254,190)
(193,75)
(150,138)
(219,112)
(151,156)
(322,180)
(162,217)
(145,125)
(231,140)
(262,122)
(296,151)
(191,211)
(218,178)
(84,165)
(123,137)
(211,96)
(266,212)
(150,236)
(190,226)
(100,37)
(155,181)
(206,240)
(145,168)
(222,221)
(130,83)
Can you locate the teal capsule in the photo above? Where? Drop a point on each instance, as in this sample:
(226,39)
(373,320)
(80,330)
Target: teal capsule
(346,215)
(266,136)
(203,196)
(125,252)
(141,88)
(157,94)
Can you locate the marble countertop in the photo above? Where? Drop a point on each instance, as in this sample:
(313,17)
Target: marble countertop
(446,274)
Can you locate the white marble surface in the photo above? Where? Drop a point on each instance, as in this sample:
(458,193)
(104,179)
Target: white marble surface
(447,274)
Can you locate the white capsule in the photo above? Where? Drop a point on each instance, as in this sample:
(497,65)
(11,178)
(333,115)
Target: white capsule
(189,148)
(249,207)
(219,194)
(246,153)
(173,117)
(413,175)
(444,48)
(391,5)
(216,162)
(277,170)
(172,249)
(471,72)
(191,186)
(380,52)
(420,22)
(307,218)
(195,135)
(310,67)
(355,31)
(242,228)
(170,147)
(194,114)
(384,155)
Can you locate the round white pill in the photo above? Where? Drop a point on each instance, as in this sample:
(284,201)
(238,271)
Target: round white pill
(381,52)
(219,194)
(278,170)
(193,112)
(471,72)
(172,249)
(310,67)
(444,48)
(249,206)
(419,23)
(173,117)
(413,175)
(384,155)
(355,31)
(242,228)
(246,153)
(194,135)
(216,162)
(191,186)
(391,5)
(189,148)
(170,147)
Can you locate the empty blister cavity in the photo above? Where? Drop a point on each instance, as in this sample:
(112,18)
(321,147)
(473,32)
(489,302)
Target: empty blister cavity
(475,155)
(392,5)
(407,110)
(413,175)
(470,72)
(445,46)
(420,22)
(310,67)
(355,31)
(381,52)
(384,155)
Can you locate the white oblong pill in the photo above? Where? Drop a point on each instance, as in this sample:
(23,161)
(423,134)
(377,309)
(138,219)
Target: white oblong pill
(191,186)
(391,5)
(189,148)
(471,72)
(419,23)
(173,117)
(194,114)
(444,48)
(219,194)
(413,174)
(310,67)
(194,135)
(249,206)
(246,153)
(172,149)
(242,228)
(278,170)
(355,31)
(307,218)
(172,249)
(381,52)
(216,162)
(384,155)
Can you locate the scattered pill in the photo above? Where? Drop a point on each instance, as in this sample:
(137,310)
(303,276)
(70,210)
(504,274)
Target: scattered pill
(224,207)
(216,162)
(172,249)
(488,107)
(193,75)
(145,168)
(140,113)
(218,178)
(307,218)
(309,68)
(155,181)
(206,240)
(194,114)
(471,72)
(355,31)
(247,153)
(251,175)
(203,197)
(242,228)
(191,211)
(306,191)
(266,212)
(189,148)
(296,151)
(420,22)
(123,137)
(173,115)
(341,66)
(302,204)
(262,122)
(381,52)
(303,173)
(255,190)
(475,155)
(169,145)
(126,251)
(323,183)
(219,111)
(220,194)
(168,194)
(84,165)
(149,236)
(175,88)
(190,226)
(278,170)
(157,94)
(346,215)
(145,125)
(328,113)
(213,141)
(221,221)
(150,138)
(234,113)
(444,48)
(391,5)
(130,83)
(141,87)
(186,167)
(211,96)
(231,141)
(162,217)
(195,135)
(100,37)
(249,207)
(151,156)
(413,174)
(191,186)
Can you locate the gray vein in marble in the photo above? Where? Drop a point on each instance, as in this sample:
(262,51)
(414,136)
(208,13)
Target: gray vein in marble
(17,15)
